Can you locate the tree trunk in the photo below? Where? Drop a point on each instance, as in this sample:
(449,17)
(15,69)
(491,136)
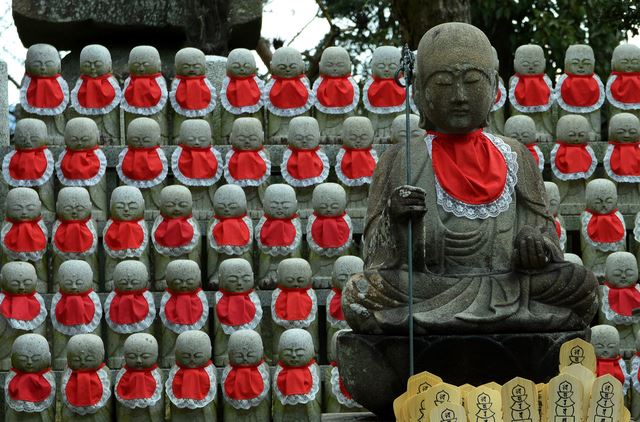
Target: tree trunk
(206,25)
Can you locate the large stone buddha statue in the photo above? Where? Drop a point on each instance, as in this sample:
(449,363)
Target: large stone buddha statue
(485,253)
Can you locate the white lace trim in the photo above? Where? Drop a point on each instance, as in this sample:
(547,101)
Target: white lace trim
(140,403)
(28,406)
(126,253)
(103,374)
(336,110)
(563,234)
(288,112)
(635,365)
(247,403)
(585,218)
(337,392)
(503,97)
(191,403)
(26,81)
(617,103)
(188,181)
(27,325)
(251,325)
(576,109)
(18,255)
(247,182)
(186,112)
(329,252)
(344,178)
(335,323)
(181,328)
(135,327)
(294,399)
(379,110)
(230,249)
(606,162)
(27,183)
(530,109)
(72,330)
(492,209)
(627,377)
(636,228)
(179,250)
(612,315)
(303,183)
(573,176)
(142,184)
(75,255)
(100,110)
(298,323)
(540,156)
(91,181)
(279,250)
(146,111)
(244,109)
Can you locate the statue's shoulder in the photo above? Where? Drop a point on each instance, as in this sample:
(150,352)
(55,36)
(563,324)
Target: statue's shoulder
(515,145)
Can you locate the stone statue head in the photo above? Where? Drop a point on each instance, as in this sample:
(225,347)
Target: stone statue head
(456,81)
(357,132)
(573,258)
(385,62)
(280,201)
(74,203)
(295,347)
(626,58)
(601,196)
(144,60)
(335,61)
(193,349)
(75,276)
(130,275)
(140,351)
(579,60)
(95,60)
(521,128)
(30,133)
(176,201)
(183,275)
(624,127)
(236,275)
(23,204)
(329,199)
(42,60)
(81,133)
(143,132)
(245,348)
(229,201)
(195,133)
(241,63)
(126,203)
(573,129)
(496,59)
(304,133)
(606,341)
(345,267)
(85,351)
(19,277)
(247,134)
(190,61)
(30,353)
(529,60)
(621,269)
(287,63)
(399,129)
(294,273)
(553,197)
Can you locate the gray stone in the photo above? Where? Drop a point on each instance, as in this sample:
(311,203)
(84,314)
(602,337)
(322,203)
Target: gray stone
(4,104)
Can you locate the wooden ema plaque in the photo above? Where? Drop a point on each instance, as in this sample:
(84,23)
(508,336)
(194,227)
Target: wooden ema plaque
(565,399)
(420,406)
(484,404)
(586,378)
(606,404)
(448,412)
(421,382)
(520,401)
(577,352)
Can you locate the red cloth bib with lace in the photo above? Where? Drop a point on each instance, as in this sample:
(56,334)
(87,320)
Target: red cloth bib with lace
(243,91)
(231,231)
(184,308)
(610,366)
(573,158)
(44,91)
(278,231)
(75,308)
(28,164)
(136,384)
(73,236)
(625,158)
(191,383)
(84,387)
(142,163)
(330,232)
(288,92)
(192,92)
(580,90)
(128,307)
(357,163)
(80,164)
(235,309)
(623,300)
(25,236)
(532,90)
(197,163)
(335,91)
(304,163)
(293,304)
(30,387)
(96,92)
(626,87)
(605,228)
(385,92)
(335,307)
(295,380)
(532,150)
(247,164)
(123,235)
(20,306)
(174,232)
(244,382)
(143,91)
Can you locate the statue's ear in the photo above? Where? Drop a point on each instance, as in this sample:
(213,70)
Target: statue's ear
(421,102)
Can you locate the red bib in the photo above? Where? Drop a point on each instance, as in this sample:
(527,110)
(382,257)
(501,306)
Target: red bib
(231,231)
(558,227)
(30,387)
(123,235)
(625,158)
(293,304)
(305,163)
(84,387)
(75,308)
(73,236)
(357,163)
(192,92)
(385,93)
(335,307)
(573,158)
(235,309)
(532,150)
(498,97)
(626,87)
(341,387)
(96,92)
(294,380)
(136,383)
(580,90)
(288,93)
(80,164)
(28,164)
(20,306)
(246,164)
(45,91)
(335,91)
(197,163)
(25,236)
(142,163)
(623,300)
(610,366)
(244,382)
(330,232)
(128,307)
(532,90)
(143,91)
(191,383)
(184,308)
(174,232)
(243,91)
(605,228)
(278,231)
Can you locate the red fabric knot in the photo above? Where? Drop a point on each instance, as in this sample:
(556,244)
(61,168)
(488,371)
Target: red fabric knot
(231,231)
(605,228)
(197,162)
(610,366)
(247,164)
(142,163)
(625,158)
(244,382)
(385,92)
(30,387)
(96,92)
(295,380)
(293,304)
(192,92)
(305,163)
(243,91)
(532,90)
(191,383)
(20,306)
(73,236)
(573,158)
(124,234)
(235,308)
(129,306)
(335,91)
(28,163)
(84,387)
(278,231)
(623,300)
(75,308)
(137,383)
(80,164)
(184,308)
(143,90)
(174,232)
(357,162)
(25,236)
(44,91)
(287,93)
(329,231)
(626,87)
(335,307)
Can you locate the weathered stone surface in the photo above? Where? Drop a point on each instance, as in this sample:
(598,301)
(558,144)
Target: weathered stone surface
(4,104)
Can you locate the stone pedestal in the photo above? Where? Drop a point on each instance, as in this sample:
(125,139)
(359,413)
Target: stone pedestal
(375,368)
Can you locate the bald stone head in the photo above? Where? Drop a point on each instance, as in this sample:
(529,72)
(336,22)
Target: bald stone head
(335,61)
(130,275)
(247,134)
(601,196)
(573,129)
(241,63)
(385,61)
(280,201)
(304,132)
(143,132)
(621,269)
(287,63)
(344,267)
(329,199)
(399,129)
(626,58)
(236,275)
(553,197)
(81,133)
(624,127)
(74,203)
(95,60)
(229,201)
(75,276)
(144,60)
(193,349)
(140,351)
(521,128)
(30,133)
(294,273)
(176,201)
(42,60)
(606,341)
(23,204)
(126,203)
(295,347)
(529,60)
(19,277)
(183,275)
(579,60)
(245,348)
(85,351)
(190,61)
(30,353)
(195,133)
(357,132)
(573,258)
